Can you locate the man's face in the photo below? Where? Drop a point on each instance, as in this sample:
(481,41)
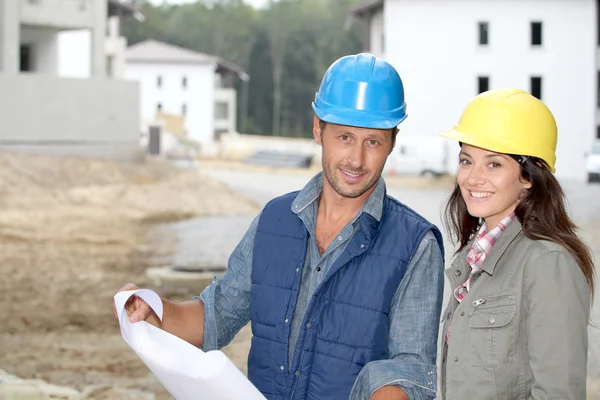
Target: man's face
(353,158)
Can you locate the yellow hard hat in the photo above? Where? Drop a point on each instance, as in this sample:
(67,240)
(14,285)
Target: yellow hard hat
(508,121)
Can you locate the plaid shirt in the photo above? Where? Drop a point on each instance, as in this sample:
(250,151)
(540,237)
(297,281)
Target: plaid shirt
(477,254)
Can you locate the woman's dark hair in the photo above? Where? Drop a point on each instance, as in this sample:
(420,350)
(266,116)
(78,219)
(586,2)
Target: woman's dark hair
(541,212)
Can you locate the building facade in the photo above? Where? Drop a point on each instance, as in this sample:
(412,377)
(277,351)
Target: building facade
(75,46)
(195,86)
(448,51)
(45,113)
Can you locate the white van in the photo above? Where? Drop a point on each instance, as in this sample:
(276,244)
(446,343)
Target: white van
(592,162)
(425,156)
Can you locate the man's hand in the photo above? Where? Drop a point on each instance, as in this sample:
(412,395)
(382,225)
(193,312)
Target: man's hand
(184,320)
(137,309)
(389,393)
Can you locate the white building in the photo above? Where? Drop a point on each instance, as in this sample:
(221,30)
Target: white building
(75,46)
(181,82)
(447,51)
(42,112)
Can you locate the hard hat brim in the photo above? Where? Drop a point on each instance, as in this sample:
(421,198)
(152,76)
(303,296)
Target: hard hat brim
(359,119)
(497,145)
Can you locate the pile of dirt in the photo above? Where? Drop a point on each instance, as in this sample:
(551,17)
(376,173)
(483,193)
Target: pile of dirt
(101,201)
(72,230)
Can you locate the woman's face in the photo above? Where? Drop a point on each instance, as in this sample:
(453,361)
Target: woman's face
(490,183)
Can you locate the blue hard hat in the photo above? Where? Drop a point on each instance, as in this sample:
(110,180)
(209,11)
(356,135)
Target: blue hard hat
(363,91)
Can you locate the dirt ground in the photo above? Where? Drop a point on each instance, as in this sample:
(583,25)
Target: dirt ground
(72,231)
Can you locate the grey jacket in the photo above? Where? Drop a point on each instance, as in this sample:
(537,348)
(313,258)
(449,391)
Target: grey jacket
(521,332)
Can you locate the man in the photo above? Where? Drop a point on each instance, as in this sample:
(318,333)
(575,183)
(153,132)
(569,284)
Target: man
(342,284)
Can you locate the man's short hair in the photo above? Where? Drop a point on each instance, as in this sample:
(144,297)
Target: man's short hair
(323,124)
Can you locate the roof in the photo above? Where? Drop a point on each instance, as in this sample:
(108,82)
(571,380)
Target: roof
(152,51)
(366,7)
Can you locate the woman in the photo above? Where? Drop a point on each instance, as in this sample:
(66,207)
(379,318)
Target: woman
(522,281)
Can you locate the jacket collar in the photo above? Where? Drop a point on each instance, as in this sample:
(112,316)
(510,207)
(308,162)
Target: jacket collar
(510,233)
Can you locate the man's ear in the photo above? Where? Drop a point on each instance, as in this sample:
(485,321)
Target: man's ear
(395,132)
(317,130)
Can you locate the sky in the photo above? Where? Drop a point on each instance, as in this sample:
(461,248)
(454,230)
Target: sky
(255,3)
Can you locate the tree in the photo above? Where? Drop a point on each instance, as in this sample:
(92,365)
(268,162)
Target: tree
(285,48)
(260,107)
(281,19)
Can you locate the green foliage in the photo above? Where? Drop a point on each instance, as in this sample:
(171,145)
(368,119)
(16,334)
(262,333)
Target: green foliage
(285,48)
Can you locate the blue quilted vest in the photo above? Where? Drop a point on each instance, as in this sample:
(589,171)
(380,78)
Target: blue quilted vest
(346,324)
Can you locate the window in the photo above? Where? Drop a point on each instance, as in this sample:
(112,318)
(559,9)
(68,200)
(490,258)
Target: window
(110,67)
(25,58)
(184,109)
(184,82)
(159,81)
(536,33)
(221,110)
(483,28)
(536,86)
(483,84)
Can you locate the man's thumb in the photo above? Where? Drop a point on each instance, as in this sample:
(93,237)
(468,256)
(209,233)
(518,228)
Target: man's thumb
(135,316)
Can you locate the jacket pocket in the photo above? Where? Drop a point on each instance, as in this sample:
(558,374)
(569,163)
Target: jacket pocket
(492,332)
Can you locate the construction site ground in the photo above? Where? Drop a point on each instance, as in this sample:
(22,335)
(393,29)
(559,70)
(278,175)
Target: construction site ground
(72,231)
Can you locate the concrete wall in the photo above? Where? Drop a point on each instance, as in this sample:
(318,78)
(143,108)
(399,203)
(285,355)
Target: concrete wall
(198,95)
(50,115)
(63,15)
(44,48)
(434,45)
(75,54)
(9,36)
(68,14)
(116,50)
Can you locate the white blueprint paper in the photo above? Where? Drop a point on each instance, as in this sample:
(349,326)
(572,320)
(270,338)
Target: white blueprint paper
(185,371)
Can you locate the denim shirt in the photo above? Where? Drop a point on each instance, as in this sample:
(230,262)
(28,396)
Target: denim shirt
(414,315)
(317,266)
